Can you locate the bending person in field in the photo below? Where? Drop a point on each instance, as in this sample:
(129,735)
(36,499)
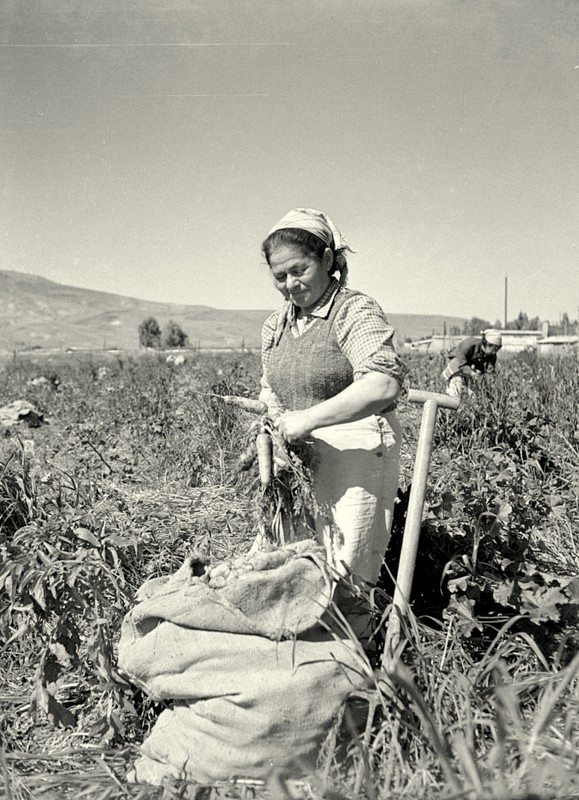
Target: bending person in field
(471,358)
(331,376)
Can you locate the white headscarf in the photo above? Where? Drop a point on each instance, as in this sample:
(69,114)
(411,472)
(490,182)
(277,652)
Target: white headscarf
(493,336)
(316,222)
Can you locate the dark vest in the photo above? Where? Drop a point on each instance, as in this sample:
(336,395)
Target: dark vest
(308,369)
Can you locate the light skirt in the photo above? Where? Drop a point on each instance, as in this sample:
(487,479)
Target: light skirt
(355,482)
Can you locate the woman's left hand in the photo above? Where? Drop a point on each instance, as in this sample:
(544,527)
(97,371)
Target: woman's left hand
(293,425)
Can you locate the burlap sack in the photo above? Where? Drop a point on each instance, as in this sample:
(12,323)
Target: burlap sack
(276,594)
(243,704)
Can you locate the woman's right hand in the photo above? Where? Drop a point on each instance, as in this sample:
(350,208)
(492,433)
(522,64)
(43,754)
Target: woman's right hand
(294,425)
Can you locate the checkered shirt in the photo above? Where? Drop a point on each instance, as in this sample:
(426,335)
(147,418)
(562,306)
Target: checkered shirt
(364,334)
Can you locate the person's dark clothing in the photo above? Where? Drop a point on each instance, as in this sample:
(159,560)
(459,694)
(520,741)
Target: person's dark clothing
(468,355)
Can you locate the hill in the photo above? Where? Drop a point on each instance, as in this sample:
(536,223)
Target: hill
(39,313)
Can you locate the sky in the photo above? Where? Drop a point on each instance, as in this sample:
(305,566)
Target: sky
(148,147)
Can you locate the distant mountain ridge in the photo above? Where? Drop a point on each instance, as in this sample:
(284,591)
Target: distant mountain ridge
(38,313)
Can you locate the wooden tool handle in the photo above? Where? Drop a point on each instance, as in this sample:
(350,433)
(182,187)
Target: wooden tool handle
(442,400)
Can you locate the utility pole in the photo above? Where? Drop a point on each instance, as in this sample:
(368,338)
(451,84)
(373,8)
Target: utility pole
(506,294)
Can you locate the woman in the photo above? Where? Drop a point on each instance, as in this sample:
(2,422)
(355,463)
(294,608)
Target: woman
(331,375)
(471,358)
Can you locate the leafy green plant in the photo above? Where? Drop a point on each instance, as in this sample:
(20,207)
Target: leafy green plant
(66,585)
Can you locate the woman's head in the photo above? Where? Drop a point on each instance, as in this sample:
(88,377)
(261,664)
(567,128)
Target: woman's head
(491,341)
(312,235)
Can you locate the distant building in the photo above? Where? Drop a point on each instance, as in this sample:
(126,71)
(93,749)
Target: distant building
(518,341)
(437,343)
(558,345)
(514,341)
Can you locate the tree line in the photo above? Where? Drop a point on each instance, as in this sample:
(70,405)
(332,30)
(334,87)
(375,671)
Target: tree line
(522,322)
(152,335)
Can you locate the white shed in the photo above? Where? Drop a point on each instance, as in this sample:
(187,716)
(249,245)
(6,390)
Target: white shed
(558,345)
(437,343)
(518,341)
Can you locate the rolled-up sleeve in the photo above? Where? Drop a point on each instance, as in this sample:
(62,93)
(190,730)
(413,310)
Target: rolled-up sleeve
(267,337)
(367,339)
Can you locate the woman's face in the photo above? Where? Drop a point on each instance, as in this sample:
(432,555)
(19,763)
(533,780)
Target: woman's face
(490,348)
(301,277)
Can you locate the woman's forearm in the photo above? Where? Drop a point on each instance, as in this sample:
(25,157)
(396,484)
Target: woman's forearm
(369,395)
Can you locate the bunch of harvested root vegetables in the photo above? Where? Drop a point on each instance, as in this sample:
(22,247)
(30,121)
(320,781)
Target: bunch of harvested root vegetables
(286,503)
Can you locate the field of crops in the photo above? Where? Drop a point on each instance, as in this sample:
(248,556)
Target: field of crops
(136,465)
